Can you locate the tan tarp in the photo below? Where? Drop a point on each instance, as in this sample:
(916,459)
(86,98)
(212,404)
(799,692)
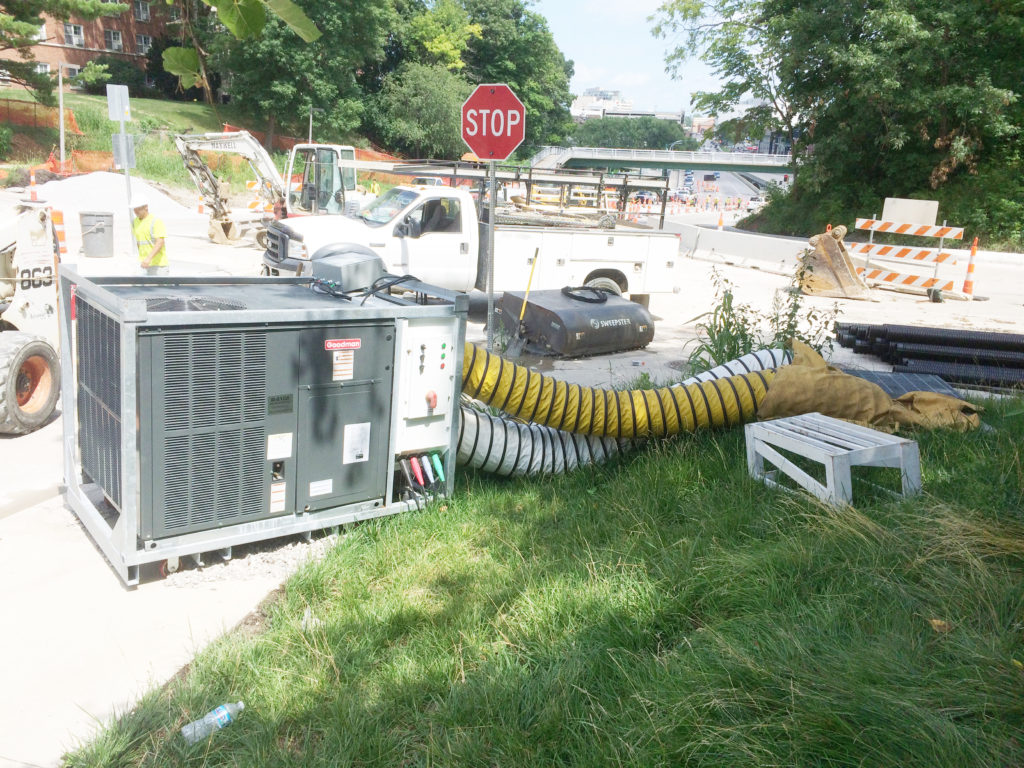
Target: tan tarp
(810,385)
(827,270)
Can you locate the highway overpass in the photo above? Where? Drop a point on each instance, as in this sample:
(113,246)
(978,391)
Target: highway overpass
(619,159)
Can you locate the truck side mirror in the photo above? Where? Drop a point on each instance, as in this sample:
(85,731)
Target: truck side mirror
(409,228)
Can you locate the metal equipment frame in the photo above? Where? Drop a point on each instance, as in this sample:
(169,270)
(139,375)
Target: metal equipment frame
(117,534)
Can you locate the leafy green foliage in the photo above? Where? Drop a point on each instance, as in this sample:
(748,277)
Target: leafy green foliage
(441,34)
(280,76)
(639,133)
(117,71)
(734,329)
(420,111)
(516,47)
(184,63)
(242,18)
(93,73)
(902,99)
(6,134)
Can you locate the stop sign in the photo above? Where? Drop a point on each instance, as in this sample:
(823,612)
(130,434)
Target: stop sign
(493,121)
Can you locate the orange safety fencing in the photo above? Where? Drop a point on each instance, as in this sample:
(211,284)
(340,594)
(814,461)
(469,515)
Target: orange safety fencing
(33,115)
(79,161)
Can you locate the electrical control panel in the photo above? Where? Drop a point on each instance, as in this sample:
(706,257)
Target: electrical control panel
(426,381)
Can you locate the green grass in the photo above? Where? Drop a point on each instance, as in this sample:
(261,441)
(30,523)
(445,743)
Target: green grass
(666,610)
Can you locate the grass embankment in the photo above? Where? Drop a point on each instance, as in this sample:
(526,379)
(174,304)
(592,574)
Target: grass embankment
(665,610)
(154,123)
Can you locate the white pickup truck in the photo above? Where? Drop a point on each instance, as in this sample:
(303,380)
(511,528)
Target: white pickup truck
(432,233)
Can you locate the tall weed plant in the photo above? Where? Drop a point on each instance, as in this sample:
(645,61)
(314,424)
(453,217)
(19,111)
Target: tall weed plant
(734,329)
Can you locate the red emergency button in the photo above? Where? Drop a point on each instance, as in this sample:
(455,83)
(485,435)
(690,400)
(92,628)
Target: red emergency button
(431,399)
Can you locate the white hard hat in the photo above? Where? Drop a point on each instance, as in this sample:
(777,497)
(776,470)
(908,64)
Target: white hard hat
(138,201)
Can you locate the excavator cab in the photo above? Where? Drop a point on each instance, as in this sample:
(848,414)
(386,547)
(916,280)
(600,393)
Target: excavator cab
(317,183)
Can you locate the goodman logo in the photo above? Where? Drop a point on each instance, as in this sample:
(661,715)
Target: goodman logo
(336,344)
(599,324)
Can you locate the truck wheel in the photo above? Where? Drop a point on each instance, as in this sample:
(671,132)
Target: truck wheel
(29,378)
(604,284)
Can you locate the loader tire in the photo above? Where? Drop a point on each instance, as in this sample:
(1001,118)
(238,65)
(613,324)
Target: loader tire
(29,382)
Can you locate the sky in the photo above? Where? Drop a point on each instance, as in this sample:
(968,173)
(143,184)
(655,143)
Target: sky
(611,44)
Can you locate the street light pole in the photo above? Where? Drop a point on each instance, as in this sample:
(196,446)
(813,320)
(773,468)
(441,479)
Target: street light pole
(312,109)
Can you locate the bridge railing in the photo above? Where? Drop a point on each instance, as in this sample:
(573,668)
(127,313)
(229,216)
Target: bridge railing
(649,155)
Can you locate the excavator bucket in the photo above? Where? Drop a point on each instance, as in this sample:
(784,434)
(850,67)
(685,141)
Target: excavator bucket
(223,232)
(827,270)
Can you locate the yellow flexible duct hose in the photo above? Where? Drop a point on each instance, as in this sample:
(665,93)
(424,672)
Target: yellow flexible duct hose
(534,397)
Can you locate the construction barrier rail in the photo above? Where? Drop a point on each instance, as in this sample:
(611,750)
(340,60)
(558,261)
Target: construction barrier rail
(885,277)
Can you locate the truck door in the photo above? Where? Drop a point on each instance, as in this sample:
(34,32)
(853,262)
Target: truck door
(438,248)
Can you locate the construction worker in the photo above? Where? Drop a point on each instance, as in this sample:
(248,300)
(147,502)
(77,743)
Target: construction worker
(151,239)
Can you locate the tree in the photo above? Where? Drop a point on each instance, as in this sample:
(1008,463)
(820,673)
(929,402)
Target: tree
(20,22)
(743,44)
(278,76)
(244,19)
(441,34)
(118,71)
(633,133)
(902,99)
(420,111)
(516,47)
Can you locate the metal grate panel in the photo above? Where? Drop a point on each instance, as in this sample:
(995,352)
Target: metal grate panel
(98,349)
(214,441)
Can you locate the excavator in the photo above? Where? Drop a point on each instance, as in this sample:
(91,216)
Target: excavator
(316,183)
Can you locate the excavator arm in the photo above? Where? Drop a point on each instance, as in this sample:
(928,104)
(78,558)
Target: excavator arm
(271,185)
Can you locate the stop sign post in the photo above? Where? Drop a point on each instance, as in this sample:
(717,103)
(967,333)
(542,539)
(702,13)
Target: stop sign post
(493,125)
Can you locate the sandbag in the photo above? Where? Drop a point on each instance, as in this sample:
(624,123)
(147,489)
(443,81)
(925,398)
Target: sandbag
(810,385)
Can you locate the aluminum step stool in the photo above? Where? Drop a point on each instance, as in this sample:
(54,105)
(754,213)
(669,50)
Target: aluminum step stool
(837,444)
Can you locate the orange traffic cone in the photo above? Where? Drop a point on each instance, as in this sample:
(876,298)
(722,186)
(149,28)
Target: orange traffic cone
(199,207)
(32,186)
(969,280)
(721,220)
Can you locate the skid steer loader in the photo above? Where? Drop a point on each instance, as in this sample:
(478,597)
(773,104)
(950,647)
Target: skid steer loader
(29,367)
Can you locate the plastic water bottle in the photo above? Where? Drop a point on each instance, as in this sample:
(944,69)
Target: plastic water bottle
(212,721)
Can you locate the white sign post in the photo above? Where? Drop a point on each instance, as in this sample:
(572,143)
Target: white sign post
(119,110)
(493,125)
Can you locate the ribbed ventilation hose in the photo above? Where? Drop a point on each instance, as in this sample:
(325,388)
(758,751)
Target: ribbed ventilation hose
(625,414)
(499,445)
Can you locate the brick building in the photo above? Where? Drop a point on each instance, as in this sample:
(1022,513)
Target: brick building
(128,36)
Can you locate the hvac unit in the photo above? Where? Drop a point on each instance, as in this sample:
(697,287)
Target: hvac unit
(201,414)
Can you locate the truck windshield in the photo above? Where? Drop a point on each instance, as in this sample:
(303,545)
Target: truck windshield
(387,206)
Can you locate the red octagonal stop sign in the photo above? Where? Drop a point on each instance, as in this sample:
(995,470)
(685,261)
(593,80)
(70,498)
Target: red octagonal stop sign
(493,121)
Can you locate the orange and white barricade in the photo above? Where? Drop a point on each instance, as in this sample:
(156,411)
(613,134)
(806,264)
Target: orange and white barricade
(256,203)
(57,219)
(888,277)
